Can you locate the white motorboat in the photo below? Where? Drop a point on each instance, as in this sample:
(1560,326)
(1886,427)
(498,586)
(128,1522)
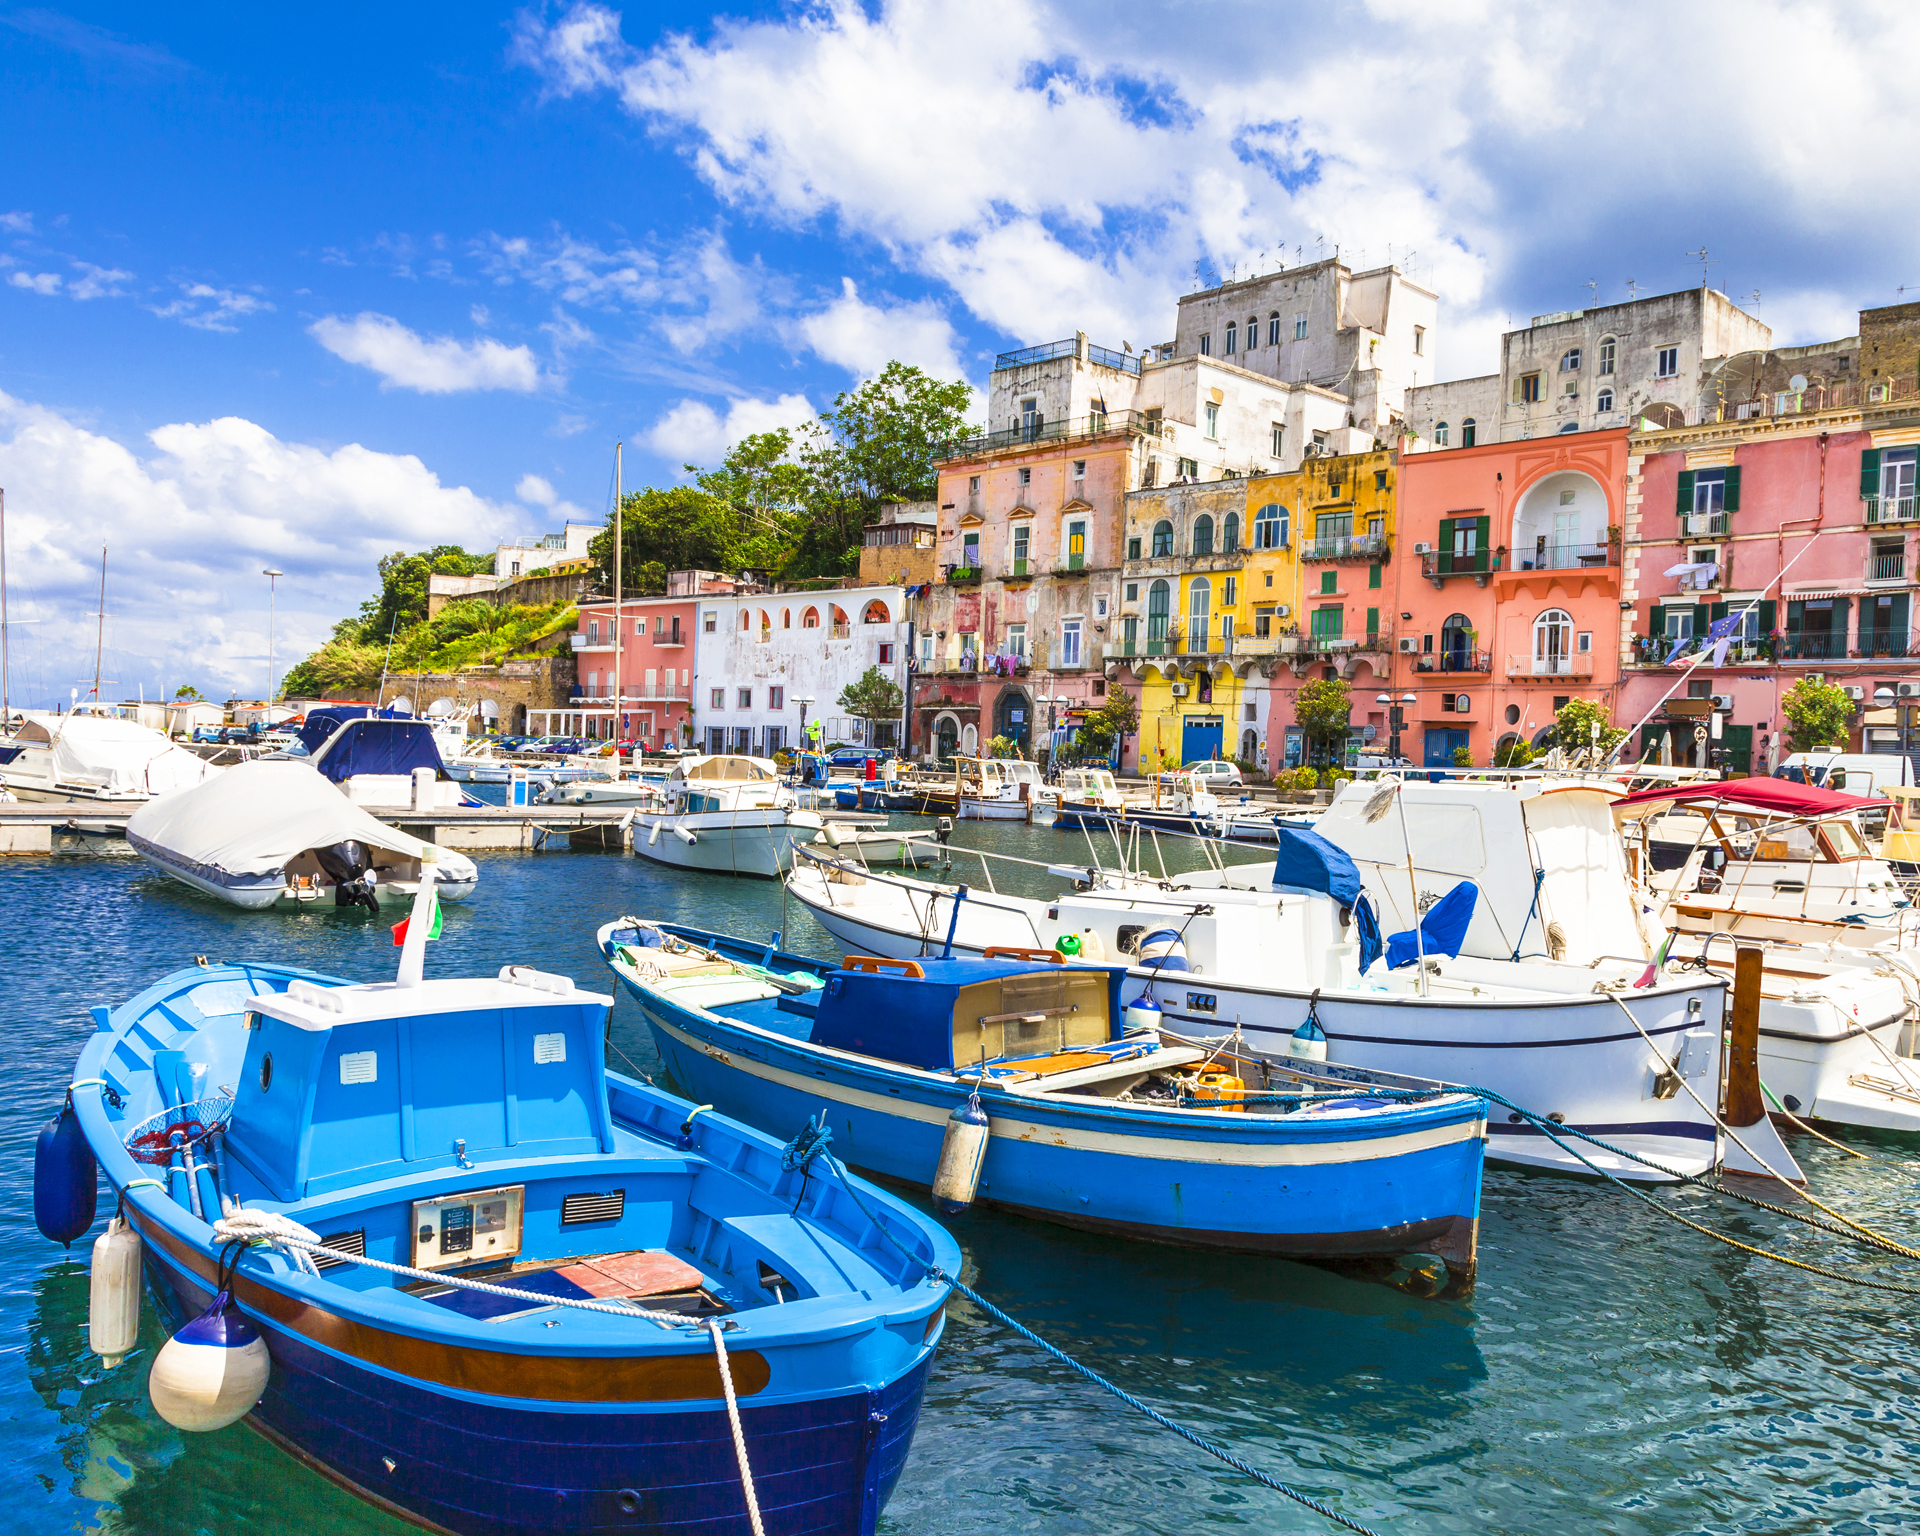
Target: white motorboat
(725,813)
(275,833)
(95,759)
(383,761)
(631,789)
(994,789)
(1574,1041)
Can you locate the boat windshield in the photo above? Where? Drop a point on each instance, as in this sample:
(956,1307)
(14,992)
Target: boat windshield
(728,770)
(1845,840)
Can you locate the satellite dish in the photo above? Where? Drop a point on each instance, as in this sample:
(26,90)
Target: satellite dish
(1798,381)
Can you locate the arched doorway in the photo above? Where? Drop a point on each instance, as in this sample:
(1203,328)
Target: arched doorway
(1553,643)
(946,737)
(1249,745)
(1456,644)
(1013,717)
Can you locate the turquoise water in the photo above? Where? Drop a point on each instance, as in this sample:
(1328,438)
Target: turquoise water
(1613,1373)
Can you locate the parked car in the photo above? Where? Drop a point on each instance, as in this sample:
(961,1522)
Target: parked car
(1853,773)
(1215,774)
(856,757)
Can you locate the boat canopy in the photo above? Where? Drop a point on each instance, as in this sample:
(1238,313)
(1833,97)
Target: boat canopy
(121,757)
(323,720)
(1308,862)
(943,1014)
(248,824)
(376,744)
(727,769)
(1780,797)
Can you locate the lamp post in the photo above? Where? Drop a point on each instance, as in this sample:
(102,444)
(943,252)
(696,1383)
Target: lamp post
(803,703)
(273,581)
(1396,720)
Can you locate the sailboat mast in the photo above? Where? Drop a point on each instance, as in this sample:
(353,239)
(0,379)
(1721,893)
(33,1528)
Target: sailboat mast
(100,636)
(618,610)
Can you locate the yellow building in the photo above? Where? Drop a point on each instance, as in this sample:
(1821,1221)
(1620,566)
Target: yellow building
(1322,578)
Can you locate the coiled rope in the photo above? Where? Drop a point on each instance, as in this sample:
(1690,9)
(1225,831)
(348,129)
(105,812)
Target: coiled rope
(1219,1452)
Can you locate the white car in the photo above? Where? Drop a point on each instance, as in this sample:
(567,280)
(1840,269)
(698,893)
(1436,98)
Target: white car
(1215,774)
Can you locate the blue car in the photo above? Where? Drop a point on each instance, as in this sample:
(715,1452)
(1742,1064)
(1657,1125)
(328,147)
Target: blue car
(856,757)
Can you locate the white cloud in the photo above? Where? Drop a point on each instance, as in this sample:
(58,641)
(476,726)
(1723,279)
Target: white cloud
(207,308)
(1064,166)
(17,223)
(536,491)
(98,282)
(863,337)
(189,522)
(693,432)
(46,283)
(407,360)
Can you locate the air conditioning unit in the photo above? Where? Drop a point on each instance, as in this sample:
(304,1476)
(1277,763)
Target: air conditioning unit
(1854,692)
(1179,690)
(1408,646)
(1423,549)
(1723,701)
(1907,690)
(1285,612)
(1463,704)
(1816,677)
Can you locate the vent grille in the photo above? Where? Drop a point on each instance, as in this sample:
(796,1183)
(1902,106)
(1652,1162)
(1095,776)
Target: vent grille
(342,1242)
(610,1206)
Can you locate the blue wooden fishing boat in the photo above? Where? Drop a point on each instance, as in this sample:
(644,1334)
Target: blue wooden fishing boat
(494,1288)
(1087,1123)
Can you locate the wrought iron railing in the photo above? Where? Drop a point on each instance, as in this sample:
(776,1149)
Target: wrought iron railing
(1061,430)
(1351,546)
(1046,352)
(1528,665)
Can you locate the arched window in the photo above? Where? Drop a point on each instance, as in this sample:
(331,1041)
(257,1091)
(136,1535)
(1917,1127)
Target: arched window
(1569,426)
(1467,433)
(1603,401)
(1159,602)
(810,619)
(1439,434)
(786,618)
(1199,612)
(876,613)
(1163,537)
(1456,644)
(746,621)
(766,625)
(1553,643)
(1203,535)
(1273,327)
(1606,355)
(1253,332)
(1270,527)
(839,620)
(1230,534)
(1232,332)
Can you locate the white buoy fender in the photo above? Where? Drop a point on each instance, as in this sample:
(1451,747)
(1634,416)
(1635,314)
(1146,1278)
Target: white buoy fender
(653,833)
(1141,1016)
(212,1372)
(113,1292)
(962,1151)
(831,834)
(1309,1041)
(684,835)
(1165,950)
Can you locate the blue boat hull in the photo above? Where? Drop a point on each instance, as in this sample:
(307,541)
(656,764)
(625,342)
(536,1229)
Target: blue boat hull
(483,1466)
(1422,1195)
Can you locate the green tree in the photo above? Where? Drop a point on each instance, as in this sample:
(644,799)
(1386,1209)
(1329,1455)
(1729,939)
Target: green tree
(1463,757)
(1321,710)
(874,697)
(1108,726)
(1582,725)
(1817,715)
(187,691)
(1512,754)
(766,490)
(680,528)
(402,598)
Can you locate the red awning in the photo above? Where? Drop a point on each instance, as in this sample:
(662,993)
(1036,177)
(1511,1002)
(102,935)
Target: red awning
(1781,797)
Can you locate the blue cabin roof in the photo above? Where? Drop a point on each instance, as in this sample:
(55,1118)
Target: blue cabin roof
(379,745)
(345,1085)
(959,1012)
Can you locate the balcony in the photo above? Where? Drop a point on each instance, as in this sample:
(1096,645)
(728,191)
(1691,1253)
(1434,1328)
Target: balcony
(1020,570)
(964,576)
(1066,429)
(1453,661)
(592,642)
(1887,565)
(603,697)
(1353,546)
(1816,647)
(1888,509)
(1106,357)
(1706,525)
(840,631)
(1526,666)
(1564,557)
(1437,565)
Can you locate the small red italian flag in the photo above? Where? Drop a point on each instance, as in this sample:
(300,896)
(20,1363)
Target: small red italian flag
(433,928)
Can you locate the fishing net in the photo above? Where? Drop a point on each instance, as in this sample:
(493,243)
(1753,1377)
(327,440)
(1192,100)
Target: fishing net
(151,1141)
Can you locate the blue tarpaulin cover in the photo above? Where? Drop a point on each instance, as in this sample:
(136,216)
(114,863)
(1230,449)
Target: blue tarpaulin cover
(1308,862)
(1443,930)
(381,746)
(1369,925)
(323,722)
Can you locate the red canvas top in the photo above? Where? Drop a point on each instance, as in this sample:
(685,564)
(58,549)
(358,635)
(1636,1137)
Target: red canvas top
(1782,797)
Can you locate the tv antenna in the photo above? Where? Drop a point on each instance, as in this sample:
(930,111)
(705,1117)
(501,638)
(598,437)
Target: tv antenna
(1751,299)
(1705,261)
(1633,290)
(1592,285)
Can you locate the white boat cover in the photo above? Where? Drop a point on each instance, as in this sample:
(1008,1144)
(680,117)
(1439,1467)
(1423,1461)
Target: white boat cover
(256,817)
(119,756)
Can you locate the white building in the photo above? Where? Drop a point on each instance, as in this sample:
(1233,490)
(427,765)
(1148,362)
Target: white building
(1656,360)
(535,552)
(757,655)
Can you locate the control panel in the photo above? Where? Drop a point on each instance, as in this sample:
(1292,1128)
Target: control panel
(472,1228)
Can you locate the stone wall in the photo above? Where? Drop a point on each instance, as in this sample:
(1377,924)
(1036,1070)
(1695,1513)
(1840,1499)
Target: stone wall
(543,682)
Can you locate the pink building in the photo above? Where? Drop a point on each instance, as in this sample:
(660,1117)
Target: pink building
(1801,521)
(654,668)
(1506,591)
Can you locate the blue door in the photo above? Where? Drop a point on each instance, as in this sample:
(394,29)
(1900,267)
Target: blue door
(1199,737)
(1440,745)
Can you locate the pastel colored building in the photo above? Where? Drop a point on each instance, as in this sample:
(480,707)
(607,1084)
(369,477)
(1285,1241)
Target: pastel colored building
(651,698)
(1506,591)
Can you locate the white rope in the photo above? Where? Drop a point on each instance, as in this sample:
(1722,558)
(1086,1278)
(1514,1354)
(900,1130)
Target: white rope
(275,1230)
(739,1435)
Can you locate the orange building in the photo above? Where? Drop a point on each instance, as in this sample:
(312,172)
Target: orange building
(1507,591)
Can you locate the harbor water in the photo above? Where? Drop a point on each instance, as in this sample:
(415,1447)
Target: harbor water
(1614,1372)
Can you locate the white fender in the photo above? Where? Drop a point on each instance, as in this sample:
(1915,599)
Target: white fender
(113,1293)
(210,1373)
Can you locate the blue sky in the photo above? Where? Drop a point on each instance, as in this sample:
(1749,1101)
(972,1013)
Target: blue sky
(296,292)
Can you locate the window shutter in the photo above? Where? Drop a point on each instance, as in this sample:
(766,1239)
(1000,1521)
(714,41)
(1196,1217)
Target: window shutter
(1842,608)
(1480,543)
(1444,565)
(1732,502)
(1717,611)
(1796,616)
(1870,473)
(1768,612)
(1896,630)
(1700,620)
(1373,620)
(1657,621)
(1683,503)
(1373,576)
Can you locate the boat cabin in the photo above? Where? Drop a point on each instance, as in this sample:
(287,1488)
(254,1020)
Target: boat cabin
(385,761)
(725,782)
(990,778)
(1090,786)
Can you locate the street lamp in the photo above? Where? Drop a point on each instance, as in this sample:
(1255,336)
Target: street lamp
(803,703)
(1396,720)
(273,579)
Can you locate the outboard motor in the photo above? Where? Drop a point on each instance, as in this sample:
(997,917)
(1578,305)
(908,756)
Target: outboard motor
(348,864)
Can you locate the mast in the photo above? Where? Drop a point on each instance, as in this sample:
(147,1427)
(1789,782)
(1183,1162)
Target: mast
(619,642)
(100,635)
